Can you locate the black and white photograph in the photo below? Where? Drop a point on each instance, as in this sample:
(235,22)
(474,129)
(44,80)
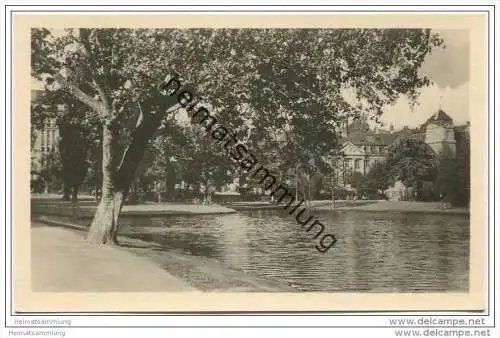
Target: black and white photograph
(171,168)
(187,164)
(250,160)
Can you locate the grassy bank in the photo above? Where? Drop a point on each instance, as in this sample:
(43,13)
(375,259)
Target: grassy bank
(396,206)
(87,209)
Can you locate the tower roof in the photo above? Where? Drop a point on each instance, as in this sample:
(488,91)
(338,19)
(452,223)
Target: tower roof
(439,118)
(440,115)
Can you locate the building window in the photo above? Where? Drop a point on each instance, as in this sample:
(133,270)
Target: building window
(357,163)
(366,164)
(347,163)
(374,149)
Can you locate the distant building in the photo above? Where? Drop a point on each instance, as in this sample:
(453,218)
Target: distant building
(45,139)
(440,133)
(362,147)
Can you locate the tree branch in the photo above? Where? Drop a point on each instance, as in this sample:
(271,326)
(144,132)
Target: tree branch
(85,43)
(97,106)
(133,154)
(102,93)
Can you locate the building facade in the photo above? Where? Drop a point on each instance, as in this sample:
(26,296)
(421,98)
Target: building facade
(361,148)
(45,140)
(440,133)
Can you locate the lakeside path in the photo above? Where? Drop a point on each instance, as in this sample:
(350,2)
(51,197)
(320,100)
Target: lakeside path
(63,262)
(397,206)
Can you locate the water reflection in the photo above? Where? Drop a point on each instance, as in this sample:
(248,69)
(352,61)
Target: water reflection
(389,252)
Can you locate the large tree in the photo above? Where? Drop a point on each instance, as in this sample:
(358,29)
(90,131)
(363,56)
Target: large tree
(195,160)
(446,183)
(452,174)
(76,138)
(77,125)
(411,161)
(463,167)
(254,79)
(377,180)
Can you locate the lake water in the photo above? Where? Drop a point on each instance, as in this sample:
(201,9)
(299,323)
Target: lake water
(375,252)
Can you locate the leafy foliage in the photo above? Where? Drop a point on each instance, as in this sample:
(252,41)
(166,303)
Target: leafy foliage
(377,179)
(356,180)
(77,130)
(463,168)
(411,161)
(452,174)
(446,183)
(76,140)
(49,173)
(262,83)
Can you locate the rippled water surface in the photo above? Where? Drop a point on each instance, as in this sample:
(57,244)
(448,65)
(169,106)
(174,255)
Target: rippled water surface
(378,252)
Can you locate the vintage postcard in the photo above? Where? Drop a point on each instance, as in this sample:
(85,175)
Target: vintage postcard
(260,162)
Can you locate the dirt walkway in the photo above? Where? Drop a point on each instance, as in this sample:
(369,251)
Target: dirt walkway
(63,262)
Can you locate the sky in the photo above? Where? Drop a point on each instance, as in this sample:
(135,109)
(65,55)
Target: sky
(448,69)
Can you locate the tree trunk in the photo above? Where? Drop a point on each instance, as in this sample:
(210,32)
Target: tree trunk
(116,181)
(66,193)
(74,202)
(103,226)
